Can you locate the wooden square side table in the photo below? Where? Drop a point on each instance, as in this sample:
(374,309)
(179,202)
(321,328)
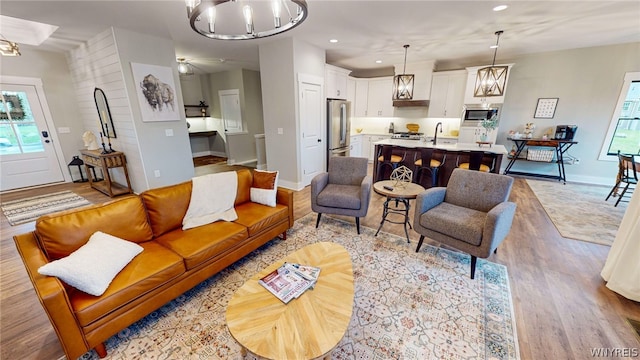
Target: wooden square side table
(116,159)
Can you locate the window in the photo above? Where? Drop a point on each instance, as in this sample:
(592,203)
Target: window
(624,130)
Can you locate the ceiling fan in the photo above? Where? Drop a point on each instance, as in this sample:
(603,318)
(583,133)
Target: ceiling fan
(186,66)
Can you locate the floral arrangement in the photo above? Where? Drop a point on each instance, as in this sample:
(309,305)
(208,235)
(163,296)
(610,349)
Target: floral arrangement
(490,124)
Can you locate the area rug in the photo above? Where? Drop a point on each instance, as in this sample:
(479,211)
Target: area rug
(29,209)
(407,305)
(579,211)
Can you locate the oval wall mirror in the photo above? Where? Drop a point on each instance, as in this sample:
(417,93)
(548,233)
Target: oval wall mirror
(106,122)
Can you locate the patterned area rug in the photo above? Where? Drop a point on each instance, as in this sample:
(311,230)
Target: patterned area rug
(407,305)
(579,211)
(29,209)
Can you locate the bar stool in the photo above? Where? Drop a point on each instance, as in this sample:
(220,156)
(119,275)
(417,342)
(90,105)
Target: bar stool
(427,157)
(386,158)
(475,161)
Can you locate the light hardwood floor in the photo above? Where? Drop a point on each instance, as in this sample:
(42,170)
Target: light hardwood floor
(562,307)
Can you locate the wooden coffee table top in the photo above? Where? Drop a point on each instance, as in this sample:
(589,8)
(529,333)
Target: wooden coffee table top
(307,327)
(406,190)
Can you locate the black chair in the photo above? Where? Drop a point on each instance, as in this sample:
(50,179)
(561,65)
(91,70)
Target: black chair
(387,160)
(627,174)
(428,156)
(477,161)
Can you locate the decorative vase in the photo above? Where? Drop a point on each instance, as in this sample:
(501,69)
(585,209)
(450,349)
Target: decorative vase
(483,137)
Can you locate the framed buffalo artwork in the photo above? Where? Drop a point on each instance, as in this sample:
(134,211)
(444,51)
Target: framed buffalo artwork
(156,92)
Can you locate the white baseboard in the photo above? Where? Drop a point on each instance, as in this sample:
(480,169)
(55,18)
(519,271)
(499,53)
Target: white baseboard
(262,167)
(246,162)
(208,153)
(295,186)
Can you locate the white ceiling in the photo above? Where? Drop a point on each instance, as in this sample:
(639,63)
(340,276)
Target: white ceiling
(454,33)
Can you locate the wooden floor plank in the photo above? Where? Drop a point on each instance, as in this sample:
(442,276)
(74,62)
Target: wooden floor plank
(562,306)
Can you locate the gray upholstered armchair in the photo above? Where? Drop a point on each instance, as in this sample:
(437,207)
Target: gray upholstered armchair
(344,190)
(472,214)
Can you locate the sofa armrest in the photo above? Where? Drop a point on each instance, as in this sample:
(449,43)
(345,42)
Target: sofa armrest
(498,224)
(285,197)
(427,200)
(53,297)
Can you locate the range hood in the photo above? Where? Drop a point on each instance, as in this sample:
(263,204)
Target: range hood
(408,103)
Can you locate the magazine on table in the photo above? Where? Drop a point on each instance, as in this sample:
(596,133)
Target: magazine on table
(290,280)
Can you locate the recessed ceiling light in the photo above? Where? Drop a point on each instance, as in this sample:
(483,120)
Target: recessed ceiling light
(378,61)
(500,7)
(333,40)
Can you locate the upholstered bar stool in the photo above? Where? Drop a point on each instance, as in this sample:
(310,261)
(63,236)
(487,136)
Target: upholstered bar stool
(386,159)
(475,161)
(428,156)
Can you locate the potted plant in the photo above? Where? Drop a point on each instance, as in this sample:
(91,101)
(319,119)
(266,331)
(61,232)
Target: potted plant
(488,125)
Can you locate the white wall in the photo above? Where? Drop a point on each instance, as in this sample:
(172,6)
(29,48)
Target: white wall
(170,155)
(280,63)
(52,68)
(587,82)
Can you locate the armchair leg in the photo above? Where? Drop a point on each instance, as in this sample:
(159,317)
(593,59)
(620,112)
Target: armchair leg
(473,266)
(420,243)
(318,220)
(358,225)
(495,251)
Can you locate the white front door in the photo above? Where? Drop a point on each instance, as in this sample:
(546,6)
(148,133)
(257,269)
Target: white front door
(312,124)
(27,153)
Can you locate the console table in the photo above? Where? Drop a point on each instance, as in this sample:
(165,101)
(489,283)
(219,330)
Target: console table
(116,159)
(560,147)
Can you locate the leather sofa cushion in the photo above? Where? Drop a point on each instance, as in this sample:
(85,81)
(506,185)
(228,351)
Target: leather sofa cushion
(203,243)
(167,206)
(154,266)
(245,180)
(257,217)
(62,233)
(455,221)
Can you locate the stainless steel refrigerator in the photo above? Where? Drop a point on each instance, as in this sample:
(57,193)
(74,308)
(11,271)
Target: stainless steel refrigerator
(338,128)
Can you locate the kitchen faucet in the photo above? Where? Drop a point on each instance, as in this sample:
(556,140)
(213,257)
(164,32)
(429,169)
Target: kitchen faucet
(435,135)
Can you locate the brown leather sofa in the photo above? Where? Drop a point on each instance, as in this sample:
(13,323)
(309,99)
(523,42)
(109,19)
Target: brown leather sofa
(173,260)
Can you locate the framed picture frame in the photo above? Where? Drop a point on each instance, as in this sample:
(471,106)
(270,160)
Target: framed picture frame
(546,108)
(156,91)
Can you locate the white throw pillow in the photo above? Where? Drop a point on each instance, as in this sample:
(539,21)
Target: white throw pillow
(212,199)
(264,188)
(93,266)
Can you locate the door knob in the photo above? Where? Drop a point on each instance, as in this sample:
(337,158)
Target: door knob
(45,134)
(319,140)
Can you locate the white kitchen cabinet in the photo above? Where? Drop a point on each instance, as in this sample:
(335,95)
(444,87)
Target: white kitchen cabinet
(372,147)
(447,94)
(362,97)
(351,95)
(335,82)
(355,149)
(472,73)
(379,102)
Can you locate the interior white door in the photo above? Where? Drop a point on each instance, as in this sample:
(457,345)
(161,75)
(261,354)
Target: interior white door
(312,124)
(230,109)
(27,153)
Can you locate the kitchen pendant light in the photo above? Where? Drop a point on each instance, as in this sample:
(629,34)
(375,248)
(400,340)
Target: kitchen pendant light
(240,20)
(403,84)
(491,80)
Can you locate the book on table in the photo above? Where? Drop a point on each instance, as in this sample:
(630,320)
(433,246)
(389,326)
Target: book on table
(290,280)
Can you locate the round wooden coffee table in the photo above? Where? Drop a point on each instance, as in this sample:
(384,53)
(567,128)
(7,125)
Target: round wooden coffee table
(401,193)
(308,327)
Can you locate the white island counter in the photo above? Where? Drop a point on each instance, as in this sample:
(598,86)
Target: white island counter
(412,144)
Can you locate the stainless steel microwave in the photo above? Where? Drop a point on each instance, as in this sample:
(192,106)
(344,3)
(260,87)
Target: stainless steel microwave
(473,114)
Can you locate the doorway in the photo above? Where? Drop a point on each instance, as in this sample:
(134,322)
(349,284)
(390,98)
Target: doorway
(28,148)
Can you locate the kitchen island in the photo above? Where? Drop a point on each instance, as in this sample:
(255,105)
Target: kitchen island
(409,150)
